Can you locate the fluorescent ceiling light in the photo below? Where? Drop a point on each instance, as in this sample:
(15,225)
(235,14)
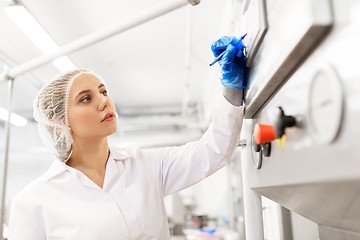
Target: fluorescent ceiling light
(15,119)
(28,24)
(64,63)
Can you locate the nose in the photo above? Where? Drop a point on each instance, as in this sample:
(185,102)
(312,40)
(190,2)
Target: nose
(104,102)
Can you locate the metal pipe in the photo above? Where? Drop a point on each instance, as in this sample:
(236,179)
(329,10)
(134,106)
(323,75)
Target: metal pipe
(286,232)
(253,211)
(6,157)
(186,92)
(142,17)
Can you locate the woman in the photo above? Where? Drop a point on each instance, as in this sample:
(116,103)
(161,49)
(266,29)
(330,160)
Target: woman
(92,192)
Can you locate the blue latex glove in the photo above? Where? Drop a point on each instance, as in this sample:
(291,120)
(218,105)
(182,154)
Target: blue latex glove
(233,63)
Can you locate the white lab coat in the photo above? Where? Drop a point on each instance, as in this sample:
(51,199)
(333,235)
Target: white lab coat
(64,204)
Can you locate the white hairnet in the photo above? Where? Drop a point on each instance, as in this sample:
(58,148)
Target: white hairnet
(51,112)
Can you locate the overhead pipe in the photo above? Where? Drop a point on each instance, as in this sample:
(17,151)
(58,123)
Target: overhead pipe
(142,17)
(105,33)
(6,157)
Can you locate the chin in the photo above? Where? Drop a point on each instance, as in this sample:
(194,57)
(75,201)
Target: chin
(112,130)
(102,131)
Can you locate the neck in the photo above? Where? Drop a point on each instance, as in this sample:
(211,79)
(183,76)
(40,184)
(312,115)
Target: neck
(89,154)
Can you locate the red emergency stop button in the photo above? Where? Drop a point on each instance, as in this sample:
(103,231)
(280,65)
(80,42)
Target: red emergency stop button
(264,133)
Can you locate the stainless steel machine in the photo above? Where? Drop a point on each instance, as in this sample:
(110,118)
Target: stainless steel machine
(304,85)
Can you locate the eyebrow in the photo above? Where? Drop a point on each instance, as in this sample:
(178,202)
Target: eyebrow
(88,90)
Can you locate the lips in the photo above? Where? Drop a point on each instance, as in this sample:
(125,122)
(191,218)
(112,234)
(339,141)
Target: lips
(108,117)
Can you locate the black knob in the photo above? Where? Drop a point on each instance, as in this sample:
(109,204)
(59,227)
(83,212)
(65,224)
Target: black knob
(283,121)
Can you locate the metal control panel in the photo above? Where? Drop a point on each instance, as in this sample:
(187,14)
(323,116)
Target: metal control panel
(315,171)
(282,34)
(306,66)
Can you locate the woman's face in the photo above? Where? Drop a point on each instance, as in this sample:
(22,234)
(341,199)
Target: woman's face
(91,111)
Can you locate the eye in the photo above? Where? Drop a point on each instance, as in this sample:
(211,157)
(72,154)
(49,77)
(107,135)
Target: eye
(104,93)
(85,99)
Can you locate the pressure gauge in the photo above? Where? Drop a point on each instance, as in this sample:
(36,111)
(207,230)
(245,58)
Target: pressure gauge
(325,105)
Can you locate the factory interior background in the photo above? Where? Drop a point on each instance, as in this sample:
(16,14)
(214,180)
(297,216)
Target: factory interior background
(159,78)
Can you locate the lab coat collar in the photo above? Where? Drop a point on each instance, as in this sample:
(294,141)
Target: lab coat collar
(117,155)
(58,167)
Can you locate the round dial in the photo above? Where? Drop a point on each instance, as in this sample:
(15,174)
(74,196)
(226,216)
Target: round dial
(325,105)
(256,152)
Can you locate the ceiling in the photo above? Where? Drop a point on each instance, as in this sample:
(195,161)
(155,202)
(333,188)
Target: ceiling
(143,67)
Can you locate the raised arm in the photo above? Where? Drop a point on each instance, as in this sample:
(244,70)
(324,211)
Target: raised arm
(176,168)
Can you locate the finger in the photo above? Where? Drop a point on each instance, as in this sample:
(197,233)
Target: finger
(220,45)
(240,50)
(228,59)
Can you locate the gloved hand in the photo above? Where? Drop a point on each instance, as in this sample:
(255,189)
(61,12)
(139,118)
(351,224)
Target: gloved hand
(233,62)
